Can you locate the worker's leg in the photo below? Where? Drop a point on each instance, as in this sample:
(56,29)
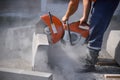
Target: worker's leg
(100,19)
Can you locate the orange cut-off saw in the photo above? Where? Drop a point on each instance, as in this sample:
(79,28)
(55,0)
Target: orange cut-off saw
(56,30)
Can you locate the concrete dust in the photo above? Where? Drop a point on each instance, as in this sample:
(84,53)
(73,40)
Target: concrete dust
(64,61)
(15,47)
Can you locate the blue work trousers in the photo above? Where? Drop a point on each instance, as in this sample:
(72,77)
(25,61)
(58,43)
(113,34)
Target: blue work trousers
(102,13)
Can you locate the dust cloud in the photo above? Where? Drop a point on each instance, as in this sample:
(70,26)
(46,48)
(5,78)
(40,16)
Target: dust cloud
(64,61)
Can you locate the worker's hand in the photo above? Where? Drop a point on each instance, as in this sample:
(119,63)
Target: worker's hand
(64,19)
(83,21)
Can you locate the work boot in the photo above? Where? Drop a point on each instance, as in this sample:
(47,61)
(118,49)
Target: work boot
(92,57)
(91,60)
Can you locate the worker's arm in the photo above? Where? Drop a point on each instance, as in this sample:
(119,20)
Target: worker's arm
(86,10)
(72,7)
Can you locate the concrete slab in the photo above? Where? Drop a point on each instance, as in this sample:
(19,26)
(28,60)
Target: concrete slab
(113,45)
(16,74)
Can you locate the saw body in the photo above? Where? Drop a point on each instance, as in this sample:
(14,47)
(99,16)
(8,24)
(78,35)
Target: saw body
(58,31)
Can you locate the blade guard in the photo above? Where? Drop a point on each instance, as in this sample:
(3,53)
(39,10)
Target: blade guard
(56,28)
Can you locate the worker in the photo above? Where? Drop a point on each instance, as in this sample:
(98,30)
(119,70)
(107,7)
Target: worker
(101,14)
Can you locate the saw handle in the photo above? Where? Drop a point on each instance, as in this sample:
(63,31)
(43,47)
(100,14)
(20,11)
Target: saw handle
(84,26)
(67,23)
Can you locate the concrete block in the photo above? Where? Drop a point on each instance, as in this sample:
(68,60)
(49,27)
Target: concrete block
(16,74)
(38,39)
(113,45)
